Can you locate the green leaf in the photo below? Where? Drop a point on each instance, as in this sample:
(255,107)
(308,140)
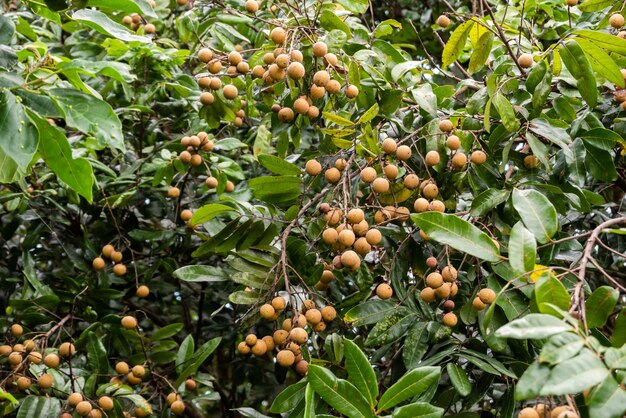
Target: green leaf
(486,363)
(604,139)
(415,345)
(55,149)
(288,398)
(413,383)
(459,379)
(370,312)
(418,410)
(129,6)
(97,354)
(607,400)
(7,29)
(537,213)
(276,188)
(457,233)
(196,360)
(185,351)
(278,165)
(618,338)
(579,66)
(506,111)
(603,40)
(549,292)
(595,5)
(360,372)
(522,250)
(529,385)
(339,120)
(208,212)
(575,375)
(309,402)
(100,22)
(602,63)
(167,331)
(533,326)
(90,115)
(399,70)
(600,163)
(561,347)
(369,114)
(201,273)
(39,406)
(19,139)
(330,21)
(355,6)
(338,393)
(390,329)
(455,45)
(481,52)
(488,200)
(599,306)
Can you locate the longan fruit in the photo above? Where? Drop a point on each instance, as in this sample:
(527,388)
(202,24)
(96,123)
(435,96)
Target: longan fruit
(83,408)
(351,259)
(320,49)
(346,238)
(478,157)
(230,91)
(332,175)
(453,142)
(313,316)
(361,246)
(127,20)
(23,383)
(487,295)
(528,413)
(121,367)
(132,379)
(432,158)
(196,160)
(402,214)
(421,205)
(559,410)
(380,185)
(449,274)
(194,141)
(280,336)
(268,58)
(333,86)
(450,319)
(361,228)
(373,236)
(430,191)
(525,60)
(186,215)
(530,161)
(74,399)
(459,160)
(389,146)
(368,174)
(328,313)
(119,269)
(45,381)
(333,217)
(251,339)
(67,349)
(541,409)
(214,67)
(252,6)
(301,106)
(205,55)
(321,78)
(295,70)
(317,92)
(296,55)
(319,327)
(381,216)
(431,262)
(443,21)
(313,112)
(355,215)
(138,371)
(258,71)
(282,60)
(5,350)
(35,357)
(384,291)
(330,236)
(207,99)
(243,348)
(454,289)
(285,358)
(403,152)
(184,156)
(149,28)
(445,125)
(437,206)
(15,358)
(129,322)
(173,192)
(107,250)
(428,295)
(259,348)
(267,311)
(443,291)
(351,91)
(269,342)
(278,303)
(448,306)
(286,114)
(216,83)
(116,256)
(278,35)
(98,263)
(302,367)
(178,407)
(434,280)
(17,330)
(19,348)
(411,181)
(391,171)
(341,164)
(616,20)
(52,361)
(327,277)
(572,3)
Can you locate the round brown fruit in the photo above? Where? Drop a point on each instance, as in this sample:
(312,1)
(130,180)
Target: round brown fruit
(449,274)
(243,348)
(572,3)
(453,142)
(230,91)
(403,152)
(478,304)
(214,66)
(437,206)
(329,313)
(434,280)
(107,250)
(259,348)
(487,295)
(380,185)
(52,361)
(351,259)
(45,381)
(431,262)
(352,91)
(526,60)
(411,181)
(285,358)
(445,125)
(278,35)
(428,295)
(459,161)
(129,322)
(389,146)
(17,330)
(149,28)
(373,236)
(432,158)
(313,316)
(301,106)
(205,55)
(332,175)
(530,161)
(346,238)
(333,86)
(121,367)
(286,114)
(252,6)
(321,78)
(384,291)
(330,236)
(368,174)
(450,319)
(178,407)
(391,171)
(559,410)
(98,263)
(119,269)
(83,408)
(317,92)
(211,182)
(186,215)
(67,349)
(443,21)
(478,157)
(295,71)
(105,403)
(313,167)
(206,99)
(320,49)
(430,191)
(302,367)
(528,413)
(616,20)
(173,192)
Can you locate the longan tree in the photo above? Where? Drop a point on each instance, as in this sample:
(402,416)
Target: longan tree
(312,208)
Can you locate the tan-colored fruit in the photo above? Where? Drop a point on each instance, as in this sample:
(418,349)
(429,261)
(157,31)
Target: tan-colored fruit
(121,367)
(313,316)
(15,358)
(450,319)
(129,322)
(45,381)
(216,83)
(351,91)
(295,71)
(98,263)
(432,158)
(317,92)
(526,60)
(259,348)
(268,58)
(478,304)
(19,348)
(269,342)
(528,413)
(211,182)
(430,191)
(487,295)
(52,361)
(351,259)
(572,3)
(267,311)
(411,181)
(230,91)
(74,399)
(138,371)
(530,161)
(83,408)
(258,71)
(333,87)
(313,167)
(453,142)
(35,357)
(144,411)
(301,367)
(119,269)
(346,238)
(616,20)
(280,336)
(437,206)
(282,60)
(143,290)
(402,214)
(127,20)
(333,217)
(205,55)
(434,280)
(194,141)
(428,295)
(286,114)
(214,66)
(389,146)
(252,6)
(184,156)
(443,291)
(23,383)
(381,216)
(380,185)
(149,28)
(448,306)
(373,236)
(67,349)
(332,175)
(368,174)
(559,410)
(107,250)
(403,152)
(296,55)
(330,235)
(449,274)
(243,348)
(327,277)
(313,112)
(622,34)
(178,407)
(459,161)
(186,215)
(105,403)
(278,303)
(278,35)
(384,291)
(541,409)
(17,330)
(251,339)
(206,99)
(391,171)
(301,106)
(356,215)
(361,228)
(478,157)
(116,256)
(443,21)
(320,49)
(431,262)
(329,313)
(285,358)
(173,192)
(445,125)
(341,164)
(321,78)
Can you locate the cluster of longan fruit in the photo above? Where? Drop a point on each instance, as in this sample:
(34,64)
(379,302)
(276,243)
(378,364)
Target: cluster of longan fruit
(20,355)
(541,410)
(85,408)
(109,252)
(289,339)
(441,285)
(453,143)
(136,21)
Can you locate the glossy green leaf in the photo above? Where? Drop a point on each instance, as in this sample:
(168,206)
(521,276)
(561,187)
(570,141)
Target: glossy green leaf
(537,213)
(338,393)
(97,354)
(201,273)
(454,47)
(19,139)
(561,347)
(370,312)
(210,211)
(549,291)
(102,23)
(579,66)
(506,111)
(522,250)
(129,6)
(533,326)
(369,114)
(390,329)
(288,398)
(418,410)
(415,345)
(184,353)
(167,331)
(197,359)
(575,375)
(487,200)
(278,165)
(607,400)
(412,384)
(39,406)
(599,306)
(481,52)
(360,372)
(330,21)
(459,379)
(603,40)
(602,63)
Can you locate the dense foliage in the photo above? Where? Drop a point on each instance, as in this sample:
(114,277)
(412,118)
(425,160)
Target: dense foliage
(312,208)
